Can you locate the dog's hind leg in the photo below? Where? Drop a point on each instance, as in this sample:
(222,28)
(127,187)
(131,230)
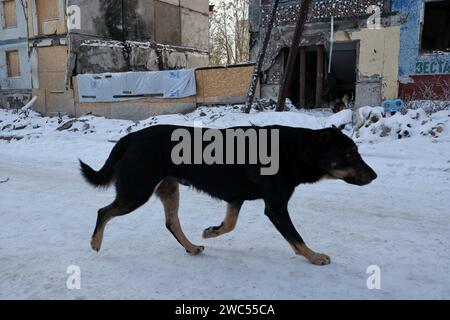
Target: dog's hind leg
(169,193)
(117,208)
(125,203)
(228,224)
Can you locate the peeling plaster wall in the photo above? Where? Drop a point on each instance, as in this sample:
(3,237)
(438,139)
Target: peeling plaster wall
(378,62)
(109,56)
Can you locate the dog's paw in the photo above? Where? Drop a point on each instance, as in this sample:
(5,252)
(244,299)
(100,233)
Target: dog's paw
(211,232)
(95,245)
(319,259)
(196,250)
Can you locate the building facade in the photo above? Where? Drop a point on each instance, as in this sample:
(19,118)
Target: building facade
(15,72)
(376,53)
(424,58)
(60,39)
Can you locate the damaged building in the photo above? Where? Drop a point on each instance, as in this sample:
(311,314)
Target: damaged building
(53,41)
(381,49)
(424,58)
(15,72)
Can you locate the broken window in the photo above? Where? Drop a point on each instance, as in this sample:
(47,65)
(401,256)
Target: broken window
(436,26)
(13,63)
(9,14)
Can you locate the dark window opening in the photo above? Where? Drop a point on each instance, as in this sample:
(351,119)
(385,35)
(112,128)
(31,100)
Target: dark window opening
(436,26)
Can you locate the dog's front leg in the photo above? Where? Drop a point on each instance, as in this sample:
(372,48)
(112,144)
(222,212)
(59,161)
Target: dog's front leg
(229,222)
(279,215)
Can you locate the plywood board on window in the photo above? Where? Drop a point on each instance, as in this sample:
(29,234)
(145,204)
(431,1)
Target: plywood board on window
(223,85)
(13,63)
(9,12)
(47,10)
(52,59)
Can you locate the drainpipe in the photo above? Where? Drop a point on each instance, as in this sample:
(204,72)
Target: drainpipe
(29,105)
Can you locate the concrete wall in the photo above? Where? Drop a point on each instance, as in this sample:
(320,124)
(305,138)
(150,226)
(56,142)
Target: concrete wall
(112,56)
(195,23)
(107,19)
(139,36)
(172,22)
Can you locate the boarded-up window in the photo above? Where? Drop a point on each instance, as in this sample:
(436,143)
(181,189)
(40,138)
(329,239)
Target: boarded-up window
(13,63)
(9,13)
(47,10)
(167,23)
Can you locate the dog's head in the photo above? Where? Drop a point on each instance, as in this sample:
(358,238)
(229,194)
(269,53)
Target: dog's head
(339,158)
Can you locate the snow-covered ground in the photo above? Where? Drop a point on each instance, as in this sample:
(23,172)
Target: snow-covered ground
(400,222)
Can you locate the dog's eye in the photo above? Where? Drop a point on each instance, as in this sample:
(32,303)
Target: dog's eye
(348,155)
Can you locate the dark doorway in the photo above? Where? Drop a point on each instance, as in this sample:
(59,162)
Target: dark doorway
(310,77)
(341,80)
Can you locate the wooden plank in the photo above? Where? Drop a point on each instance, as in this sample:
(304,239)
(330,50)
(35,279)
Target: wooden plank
(319,79)
(293,52)
(47,10)
(9,9)
(13,63)
(302,80)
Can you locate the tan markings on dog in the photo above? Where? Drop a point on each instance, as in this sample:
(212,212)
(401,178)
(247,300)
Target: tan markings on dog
(328,177)
(108,213)
(168,192)
(228,224)
(313,257)
(97,238)
(342,174)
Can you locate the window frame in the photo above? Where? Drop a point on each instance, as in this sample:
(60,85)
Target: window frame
(422,51)
(8,64)
(4,26)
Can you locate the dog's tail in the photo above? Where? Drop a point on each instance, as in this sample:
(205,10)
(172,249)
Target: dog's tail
(105,176)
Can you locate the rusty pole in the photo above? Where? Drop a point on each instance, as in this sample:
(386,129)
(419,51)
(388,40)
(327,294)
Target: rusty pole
(288,70)
(261,57)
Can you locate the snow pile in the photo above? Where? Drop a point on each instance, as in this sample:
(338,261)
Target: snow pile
(376,125)
(430,106)
(18,125)
(373,125)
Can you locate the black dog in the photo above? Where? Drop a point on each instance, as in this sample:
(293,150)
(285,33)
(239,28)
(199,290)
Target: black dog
(142,163)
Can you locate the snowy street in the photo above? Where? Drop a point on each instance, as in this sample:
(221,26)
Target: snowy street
(400,223)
